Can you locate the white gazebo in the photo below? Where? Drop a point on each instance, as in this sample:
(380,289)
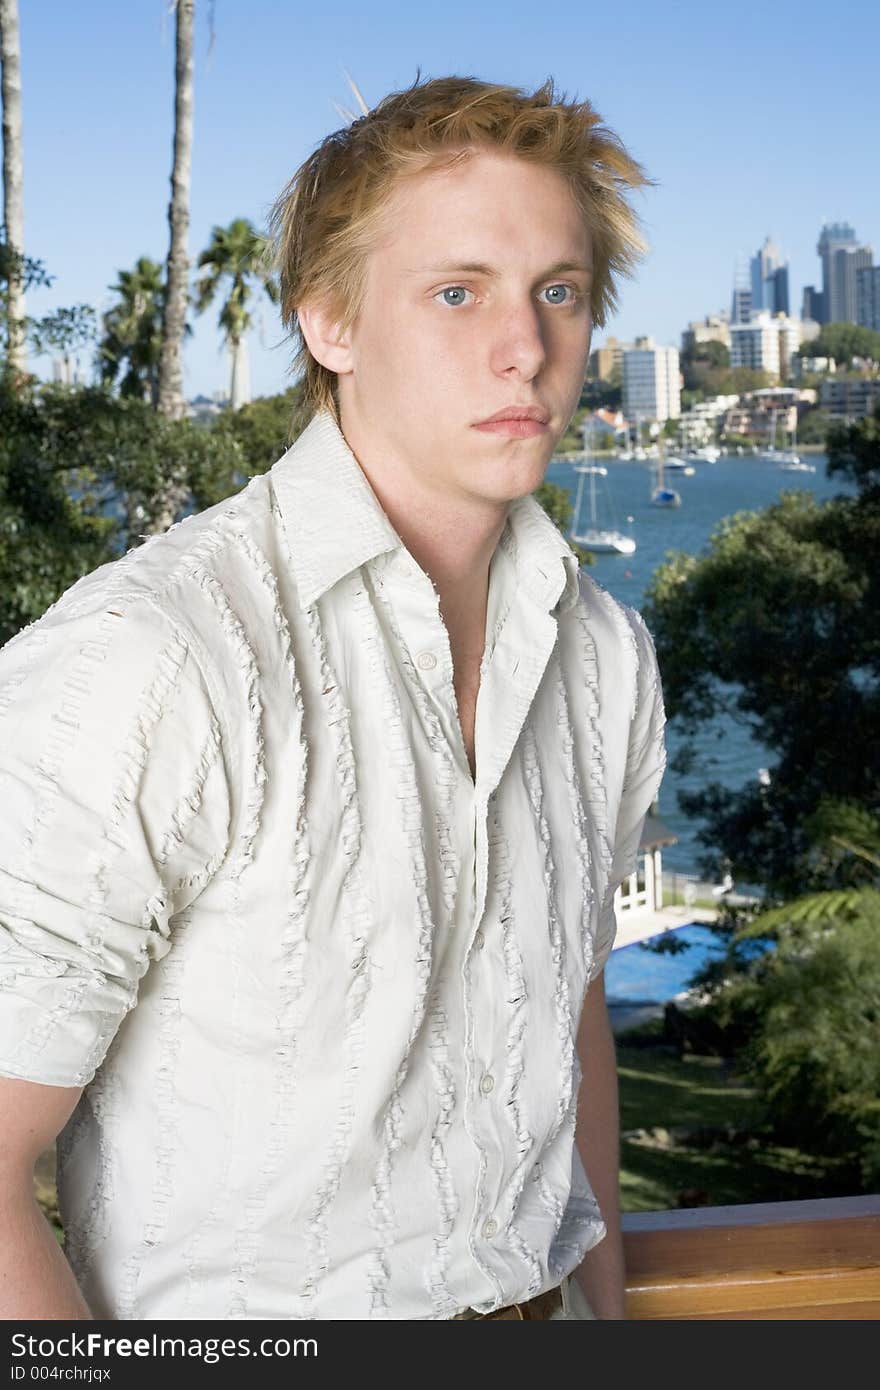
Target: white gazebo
(642,891)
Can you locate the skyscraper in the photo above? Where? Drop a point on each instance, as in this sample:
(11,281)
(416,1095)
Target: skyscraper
(741,303)
(769,281)
(841,256)
(811,307)
(868,297)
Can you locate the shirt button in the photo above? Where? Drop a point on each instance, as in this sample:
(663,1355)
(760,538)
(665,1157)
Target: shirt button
(479,941)
(490,1228)
(426,661)
(487,1084)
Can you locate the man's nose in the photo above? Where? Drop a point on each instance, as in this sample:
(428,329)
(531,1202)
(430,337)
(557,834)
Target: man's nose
(519,341)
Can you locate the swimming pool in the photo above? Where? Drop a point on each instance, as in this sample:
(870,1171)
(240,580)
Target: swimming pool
(634,975)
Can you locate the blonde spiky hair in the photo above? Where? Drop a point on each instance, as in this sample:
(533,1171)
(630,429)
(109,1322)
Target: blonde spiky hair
(326,219)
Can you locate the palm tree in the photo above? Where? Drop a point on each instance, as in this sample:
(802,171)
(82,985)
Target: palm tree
(13,184)
(132,331)
(846,838)
(170,401)
(236,254)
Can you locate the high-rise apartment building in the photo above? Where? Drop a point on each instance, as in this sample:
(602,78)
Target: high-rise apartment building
(868,297)
(766,344)
(651,382)
(714,328)
(755,344)
(604,359)
(842,256)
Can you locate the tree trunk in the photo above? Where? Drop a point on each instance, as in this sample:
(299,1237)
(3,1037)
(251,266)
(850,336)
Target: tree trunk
(240,381)
(13,179)
(171,403)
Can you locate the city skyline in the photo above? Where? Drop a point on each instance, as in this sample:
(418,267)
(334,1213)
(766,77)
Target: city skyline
(97,135)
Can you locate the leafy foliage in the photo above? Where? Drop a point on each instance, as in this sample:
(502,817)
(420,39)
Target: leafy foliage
(796,999)
(699,361)
(79,470)
(266,427)
(854,453)
(61,331)
(131,341)
(843,342)
(776,625)
(811,1012)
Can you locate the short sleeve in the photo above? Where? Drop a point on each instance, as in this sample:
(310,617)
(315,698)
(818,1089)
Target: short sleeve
(114,815)
(645,766)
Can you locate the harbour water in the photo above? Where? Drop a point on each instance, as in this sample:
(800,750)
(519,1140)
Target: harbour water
(732,484)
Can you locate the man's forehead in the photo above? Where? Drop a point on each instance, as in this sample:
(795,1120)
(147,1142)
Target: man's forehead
(456,265)
(470,231)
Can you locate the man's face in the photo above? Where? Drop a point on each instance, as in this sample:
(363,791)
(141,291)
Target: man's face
(477,299)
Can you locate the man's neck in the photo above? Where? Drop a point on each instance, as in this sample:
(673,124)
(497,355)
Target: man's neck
(452,539)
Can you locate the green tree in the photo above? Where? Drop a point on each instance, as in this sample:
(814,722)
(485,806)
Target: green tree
(843,342)
(266,427)
(603,395)
(235,258)
(854,453)
(130,348)
(699,361)
(776,625)
(813,426)
(805,1008)
(80,470)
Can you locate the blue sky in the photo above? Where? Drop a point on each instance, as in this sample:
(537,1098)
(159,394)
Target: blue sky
(755,119)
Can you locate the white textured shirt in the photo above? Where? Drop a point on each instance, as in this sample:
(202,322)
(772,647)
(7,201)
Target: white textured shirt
(322,987)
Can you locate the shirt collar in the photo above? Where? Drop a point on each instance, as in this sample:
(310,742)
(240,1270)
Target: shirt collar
(335,522)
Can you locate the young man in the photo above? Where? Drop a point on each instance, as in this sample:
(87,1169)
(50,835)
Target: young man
(335,781)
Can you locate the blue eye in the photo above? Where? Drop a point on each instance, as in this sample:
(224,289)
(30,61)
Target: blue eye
(461,291)
(453,289)
(550,288)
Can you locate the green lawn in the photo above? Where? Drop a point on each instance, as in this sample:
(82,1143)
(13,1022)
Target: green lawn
(690,1136)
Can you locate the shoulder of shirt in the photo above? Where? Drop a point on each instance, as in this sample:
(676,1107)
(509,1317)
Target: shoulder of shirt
(148,571)
(610,617)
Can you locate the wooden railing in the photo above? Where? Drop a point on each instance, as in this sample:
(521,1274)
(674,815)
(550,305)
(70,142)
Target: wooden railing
(801,1260)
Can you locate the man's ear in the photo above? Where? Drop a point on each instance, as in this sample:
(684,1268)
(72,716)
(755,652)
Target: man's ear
(319,325)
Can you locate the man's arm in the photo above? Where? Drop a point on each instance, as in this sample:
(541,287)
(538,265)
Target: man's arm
(597,1135)
(36,1282)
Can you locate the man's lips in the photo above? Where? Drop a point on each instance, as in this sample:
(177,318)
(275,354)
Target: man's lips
(515,428)
(518,412)
(517,421)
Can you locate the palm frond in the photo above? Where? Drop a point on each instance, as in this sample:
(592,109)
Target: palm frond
(832,906)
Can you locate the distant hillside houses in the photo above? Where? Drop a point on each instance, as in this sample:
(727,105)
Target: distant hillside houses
(609,427)
(768,414)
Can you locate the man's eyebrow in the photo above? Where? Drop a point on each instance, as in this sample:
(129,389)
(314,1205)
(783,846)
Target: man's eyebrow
(453,267)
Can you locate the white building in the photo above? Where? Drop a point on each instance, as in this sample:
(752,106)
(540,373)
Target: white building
(714,328)
(701,423)
(651,382)
(755,344)
(767,343)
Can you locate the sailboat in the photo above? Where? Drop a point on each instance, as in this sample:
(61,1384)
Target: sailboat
(791,461)
(664,496)
(595,537)
(676,465)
